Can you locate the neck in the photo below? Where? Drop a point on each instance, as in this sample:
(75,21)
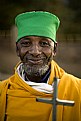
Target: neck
(33,78)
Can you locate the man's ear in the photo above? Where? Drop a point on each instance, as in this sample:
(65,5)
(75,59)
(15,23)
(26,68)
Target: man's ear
(17,49)
(55,49)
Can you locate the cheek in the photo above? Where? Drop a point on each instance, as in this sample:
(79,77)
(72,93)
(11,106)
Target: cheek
(22,53)
(48,52)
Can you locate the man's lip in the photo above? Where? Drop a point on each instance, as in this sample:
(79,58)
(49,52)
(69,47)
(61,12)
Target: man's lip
(35,61)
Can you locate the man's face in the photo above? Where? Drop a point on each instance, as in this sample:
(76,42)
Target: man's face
(36,54)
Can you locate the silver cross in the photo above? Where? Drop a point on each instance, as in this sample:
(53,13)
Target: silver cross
(55,101)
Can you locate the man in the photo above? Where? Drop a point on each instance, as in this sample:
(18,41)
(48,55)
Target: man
(36,46)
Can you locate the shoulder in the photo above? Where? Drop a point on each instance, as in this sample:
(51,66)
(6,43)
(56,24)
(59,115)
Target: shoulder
(3,83)
(71,82)
(73,79)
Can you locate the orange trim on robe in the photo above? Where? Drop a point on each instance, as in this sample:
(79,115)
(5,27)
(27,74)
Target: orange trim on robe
(21,98)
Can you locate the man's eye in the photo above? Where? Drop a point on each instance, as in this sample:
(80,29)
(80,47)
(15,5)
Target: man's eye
(44,43)
(25,44)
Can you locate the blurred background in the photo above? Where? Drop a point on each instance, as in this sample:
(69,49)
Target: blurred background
(68,36)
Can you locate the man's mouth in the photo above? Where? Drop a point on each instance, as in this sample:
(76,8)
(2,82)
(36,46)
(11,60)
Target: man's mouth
(35,61)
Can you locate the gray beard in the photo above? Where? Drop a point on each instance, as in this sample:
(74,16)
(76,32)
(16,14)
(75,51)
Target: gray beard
(35,70)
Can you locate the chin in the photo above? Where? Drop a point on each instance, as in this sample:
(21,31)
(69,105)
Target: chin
(35,70)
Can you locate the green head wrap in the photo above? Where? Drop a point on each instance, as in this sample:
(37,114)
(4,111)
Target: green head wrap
(37,23)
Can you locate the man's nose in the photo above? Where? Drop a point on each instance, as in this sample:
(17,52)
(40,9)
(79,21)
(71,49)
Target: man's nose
(35,50)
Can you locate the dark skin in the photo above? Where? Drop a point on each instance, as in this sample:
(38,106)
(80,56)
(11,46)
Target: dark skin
(36,54)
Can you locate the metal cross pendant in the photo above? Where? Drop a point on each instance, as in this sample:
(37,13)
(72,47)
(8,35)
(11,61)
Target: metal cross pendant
(55,101)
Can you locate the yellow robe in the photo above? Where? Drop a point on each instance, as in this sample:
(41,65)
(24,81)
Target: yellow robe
(18,99)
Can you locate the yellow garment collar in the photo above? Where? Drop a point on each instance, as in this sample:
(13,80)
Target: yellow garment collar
(56,71)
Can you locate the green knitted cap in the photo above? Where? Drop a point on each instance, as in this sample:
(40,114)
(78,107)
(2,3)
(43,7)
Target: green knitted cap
(37,23)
